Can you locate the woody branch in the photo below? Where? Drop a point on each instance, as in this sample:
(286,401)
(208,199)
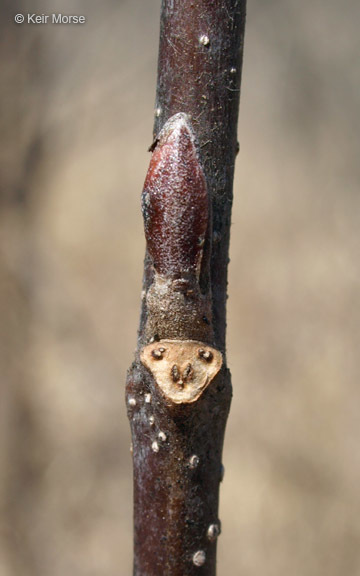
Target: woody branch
(178,388)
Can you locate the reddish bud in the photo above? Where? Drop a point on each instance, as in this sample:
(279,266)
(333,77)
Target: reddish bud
(175,202)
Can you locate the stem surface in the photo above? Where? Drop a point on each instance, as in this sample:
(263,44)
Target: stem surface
(178,388)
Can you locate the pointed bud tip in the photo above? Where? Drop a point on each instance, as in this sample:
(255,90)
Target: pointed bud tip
(176,125)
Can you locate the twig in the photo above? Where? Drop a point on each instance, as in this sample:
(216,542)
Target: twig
(179,389)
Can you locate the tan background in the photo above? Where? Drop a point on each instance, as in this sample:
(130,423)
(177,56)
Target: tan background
(77,107)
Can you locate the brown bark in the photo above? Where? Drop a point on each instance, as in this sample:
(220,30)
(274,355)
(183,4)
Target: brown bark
(179,389)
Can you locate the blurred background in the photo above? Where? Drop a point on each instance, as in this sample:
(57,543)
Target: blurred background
(77,114)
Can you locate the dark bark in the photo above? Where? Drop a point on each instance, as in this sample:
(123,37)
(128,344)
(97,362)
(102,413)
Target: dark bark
(179,389)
